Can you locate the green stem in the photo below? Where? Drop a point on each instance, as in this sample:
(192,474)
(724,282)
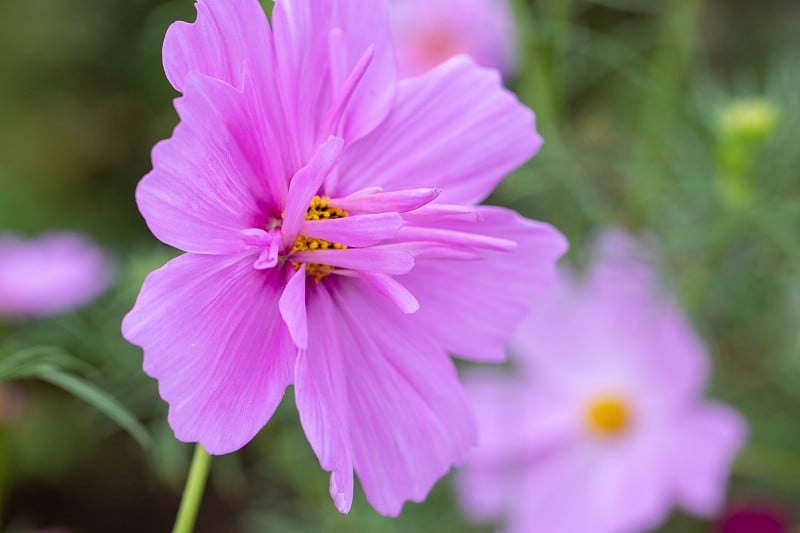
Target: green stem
(193,492)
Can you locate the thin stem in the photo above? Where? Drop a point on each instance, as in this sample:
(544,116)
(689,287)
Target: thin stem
(193,491)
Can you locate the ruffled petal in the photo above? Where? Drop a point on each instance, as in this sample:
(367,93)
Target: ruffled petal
(211,180)
(323,47)
(227,34)
(214,339)
(455,128)
(473,306)
(229,38)
(409,418)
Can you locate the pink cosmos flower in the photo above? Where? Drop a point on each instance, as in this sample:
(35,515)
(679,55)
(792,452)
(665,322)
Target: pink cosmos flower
(605,428)
(55,273)
(333,241)
(429,32)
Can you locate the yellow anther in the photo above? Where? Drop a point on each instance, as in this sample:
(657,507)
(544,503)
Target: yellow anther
(319,209)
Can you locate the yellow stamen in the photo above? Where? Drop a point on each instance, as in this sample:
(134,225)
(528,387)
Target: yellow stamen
(608,416)
(319,209)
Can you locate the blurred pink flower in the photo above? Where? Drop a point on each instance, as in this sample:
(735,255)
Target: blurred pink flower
(754,518)
(605,428)
(329,214)
(55,273)
(429,32)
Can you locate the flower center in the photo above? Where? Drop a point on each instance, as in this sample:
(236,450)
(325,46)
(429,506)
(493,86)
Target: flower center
(319,209)
(608,416)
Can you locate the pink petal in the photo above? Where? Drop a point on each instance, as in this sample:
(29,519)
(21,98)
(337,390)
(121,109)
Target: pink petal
(407,417)
(229,37)
(389,287)
(516,429)
(306,184)
(706,447)
(455,128)
(381,202)
(318,44)
(472,307)
(210,181)
(362,230)
(428,32)
(293,307)
(227,34)
(620,304)
(214,339)
(321,396)
(457,239)
(375,259)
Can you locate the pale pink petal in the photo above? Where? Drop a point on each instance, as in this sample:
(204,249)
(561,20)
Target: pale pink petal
(515,430)
(548,496)
(455,128)
(409,420)
(630,476)
(472,307)
(705,448)
(319,43)
(210,181)
(616,490)
(428,32)
(214,339)
(622,304)
(51,274)
(624,280)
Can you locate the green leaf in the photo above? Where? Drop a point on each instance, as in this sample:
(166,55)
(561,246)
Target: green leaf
(34,361)
(102,401)
(53,365)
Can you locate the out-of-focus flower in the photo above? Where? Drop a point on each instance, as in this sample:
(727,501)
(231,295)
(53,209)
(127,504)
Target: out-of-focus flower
(429,32)
(55,273)
(604,429)
(753,119)
(743,126)
(754,518)
(333,239)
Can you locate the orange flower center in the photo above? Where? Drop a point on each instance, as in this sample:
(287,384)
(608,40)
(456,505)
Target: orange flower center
(608,416)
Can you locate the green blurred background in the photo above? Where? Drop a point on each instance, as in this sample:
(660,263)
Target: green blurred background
(677,119)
